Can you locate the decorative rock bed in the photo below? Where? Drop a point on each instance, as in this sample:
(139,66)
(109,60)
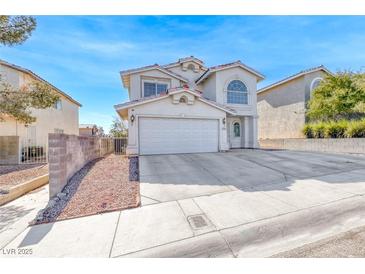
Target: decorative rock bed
(102,185)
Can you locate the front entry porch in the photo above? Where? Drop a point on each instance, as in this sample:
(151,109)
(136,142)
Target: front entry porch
(242,131)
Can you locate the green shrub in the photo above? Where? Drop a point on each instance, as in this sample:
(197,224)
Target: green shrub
(356,129)
(319,130)
(336,129)
(308,131)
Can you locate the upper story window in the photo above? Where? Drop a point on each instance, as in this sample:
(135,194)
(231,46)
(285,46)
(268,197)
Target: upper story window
(191,67)
(315,83)
(237,93)
(58,105)
(151,88)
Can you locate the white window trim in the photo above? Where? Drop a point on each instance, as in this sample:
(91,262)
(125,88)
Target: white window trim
(60,104)
(226,93)
(233,129)
(154,81)
(313,81)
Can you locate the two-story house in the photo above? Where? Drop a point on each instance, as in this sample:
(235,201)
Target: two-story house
(186,107)
(63,117)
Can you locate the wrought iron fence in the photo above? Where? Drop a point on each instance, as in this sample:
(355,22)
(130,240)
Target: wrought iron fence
(33,151)
(120,145)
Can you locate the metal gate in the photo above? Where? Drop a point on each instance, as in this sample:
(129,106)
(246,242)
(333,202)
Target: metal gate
(120,145)
(33,150)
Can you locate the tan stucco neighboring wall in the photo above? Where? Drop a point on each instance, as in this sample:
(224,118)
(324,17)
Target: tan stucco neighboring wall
(85,131)
(281,109)
(66,118)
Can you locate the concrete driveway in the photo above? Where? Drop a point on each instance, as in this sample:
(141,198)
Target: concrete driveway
(244,203)
(174,177)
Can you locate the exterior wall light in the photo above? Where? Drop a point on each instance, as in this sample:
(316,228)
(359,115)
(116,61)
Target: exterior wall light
(132,118)
(224,121)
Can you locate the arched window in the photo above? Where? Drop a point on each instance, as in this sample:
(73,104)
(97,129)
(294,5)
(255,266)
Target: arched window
(315,83)
(237,129)
(182,99)
(191,67)
(237,92)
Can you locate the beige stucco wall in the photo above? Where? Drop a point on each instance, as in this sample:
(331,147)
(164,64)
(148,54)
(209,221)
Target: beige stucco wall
(67,118)
(85,131)
(136,81)
(213,88)
(224,77)
(281,110)
(189,74)
(165,108)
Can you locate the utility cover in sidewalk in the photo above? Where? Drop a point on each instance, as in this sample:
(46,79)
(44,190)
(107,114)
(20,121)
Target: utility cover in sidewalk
(198,221)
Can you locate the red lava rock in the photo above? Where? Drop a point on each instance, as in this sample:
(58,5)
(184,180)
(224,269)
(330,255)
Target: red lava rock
(16,174)
(105,187)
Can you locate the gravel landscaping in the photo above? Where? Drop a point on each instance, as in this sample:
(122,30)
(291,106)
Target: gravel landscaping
(16,174)
(100,186)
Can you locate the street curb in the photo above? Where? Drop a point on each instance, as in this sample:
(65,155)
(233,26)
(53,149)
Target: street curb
(21,189)
(275,235)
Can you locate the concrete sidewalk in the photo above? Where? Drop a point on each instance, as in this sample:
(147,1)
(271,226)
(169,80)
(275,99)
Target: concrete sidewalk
(233,224)
(15,216)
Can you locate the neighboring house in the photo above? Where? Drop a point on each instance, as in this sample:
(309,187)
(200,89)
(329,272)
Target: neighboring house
(62,118)
(282,106)
(88,130)
(185,107)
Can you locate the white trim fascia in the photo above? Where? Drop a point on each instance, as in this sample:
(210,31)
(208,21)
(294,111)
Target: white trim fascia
(176,64)
(242,66)
(118,107)
(210,71)
(314,80)
(292,78)
(157,67)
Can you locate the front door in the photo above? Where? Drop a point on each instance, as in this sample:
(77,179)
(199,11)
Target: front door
(235,134)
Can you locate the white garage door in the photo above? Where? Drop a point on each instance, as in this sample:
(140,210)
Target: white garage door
(165,135)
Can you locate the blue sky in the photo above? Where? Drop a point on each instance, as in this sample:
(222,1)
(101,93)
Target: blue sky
(83,55)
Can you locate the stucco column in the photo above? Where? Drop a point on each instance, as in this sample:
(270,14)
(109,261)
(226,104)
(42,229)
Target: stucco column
(132,147)
(247,129)
(254,126)
(224,146)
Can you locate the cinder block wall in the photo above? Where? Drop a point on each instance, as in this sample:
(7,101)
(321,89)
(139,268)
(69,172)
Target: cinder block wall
(9,150)
(67,155)
(343,145)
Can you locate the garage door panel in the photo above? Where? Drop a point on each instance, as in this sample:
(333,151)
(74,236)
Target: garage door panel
(172,135)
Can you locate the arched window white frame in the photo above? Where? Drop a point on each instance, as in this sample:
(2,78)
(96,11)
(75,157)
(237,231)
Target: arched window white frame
(236,129)
(237,93)
(183,99)
(191,67)
(315,83)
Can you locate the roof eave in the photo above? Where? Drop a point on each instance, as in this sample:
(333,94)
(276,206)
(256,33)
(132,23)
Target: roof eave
(209,72)
(269,87)
(123,107)
(38,78)
(162,69)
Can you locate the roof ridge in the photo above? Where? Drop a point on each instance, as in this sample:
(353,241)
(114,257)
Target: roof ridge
(130,71)
(39,78)
(293,76)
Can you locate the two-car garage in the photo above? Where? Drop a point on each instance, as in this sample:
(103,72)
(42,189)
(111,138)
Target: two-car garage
(181,121)
(177,135)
